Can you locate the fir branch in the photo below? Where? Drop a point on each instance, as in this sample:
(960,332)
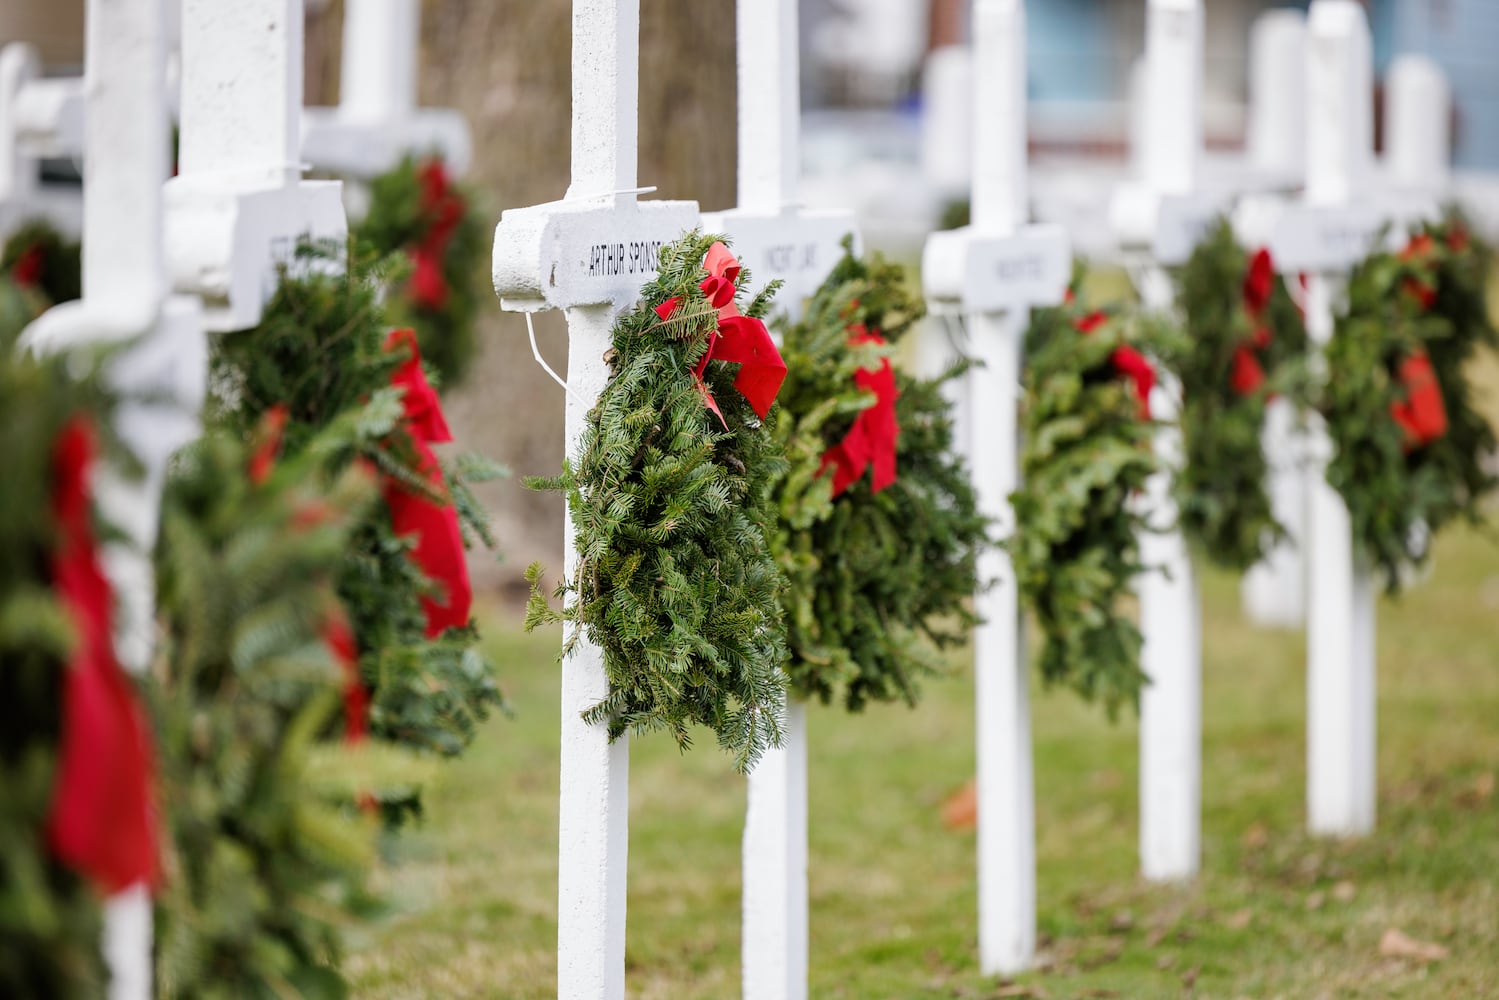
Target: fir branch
(675,580)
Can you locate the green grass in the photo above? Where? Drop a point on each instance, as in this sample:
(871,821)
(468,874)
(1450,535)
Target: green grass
(1275,913)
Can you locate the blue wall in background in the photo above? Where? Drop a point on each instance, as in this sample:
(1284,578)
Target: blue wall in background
(1073,56)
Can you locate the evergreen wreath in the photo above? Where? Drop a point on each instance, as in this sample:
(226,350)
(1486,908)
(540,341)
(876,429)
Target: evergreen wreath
(1409,447)
(881,570)
(267,858)
(50,923)
(321,354)
(1086,455)
(417,210)
(670,501)
(38,257)
(1243,341)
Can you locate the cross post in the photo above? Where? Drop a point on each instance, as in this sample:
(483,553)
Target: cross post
(588,255)
(1335,227)
(1273,590)
(377,120)
(776,239)
(238,207)
(994,271)
(1160,220)
(126,300)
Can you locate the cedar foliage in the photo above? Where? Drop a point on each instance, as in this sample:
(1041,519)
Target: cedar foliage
(676,581)
(1398,496)
(49,916)
(1221,488)
(397,221)
(266,859)
(876,579)
(1075,548)
(320,351)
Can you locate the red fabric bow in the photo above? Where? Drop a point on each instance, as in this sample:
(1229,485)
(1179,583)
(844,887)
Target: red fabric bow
(439,542)
(739,339)
(1421,414)
(338,637)
(1126,360)
(1247,374)
(28,269)
(871,439)
(442,208)
(102,821)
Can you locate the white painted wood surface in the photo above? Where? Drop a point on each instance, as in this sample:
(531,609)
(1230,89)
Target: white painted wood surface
(1327,236)
(776,238)
(994,271)
(238,206)
(1170,612)
(588,255)
(378,119)
(39,117)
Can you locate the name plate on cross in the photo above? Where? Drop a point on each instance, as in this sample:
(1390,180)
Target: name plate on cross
(797,248)
(1327,238)
(583,253)
(994,273)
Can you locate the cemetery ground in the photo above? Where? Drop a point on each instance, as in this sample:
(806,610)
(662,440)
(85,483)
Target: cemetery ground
(1412,911)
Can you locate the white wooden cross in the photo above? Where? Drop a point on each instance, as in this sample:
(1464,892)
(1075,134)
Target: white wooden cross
(126,300)
(588,255)
(238,206)
(1334,229)
(775,238)
(995,271)
(39,117)
(377,120)
(1273,591)
(1167,211)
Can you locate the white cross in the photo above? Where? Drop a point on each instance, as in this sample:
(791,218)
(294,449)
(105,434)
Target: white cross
(1333,230)
(238,206)
(776,239)
(39,117)
(1167,211)
(125,298)
(377,120)
(773,236)
(995,271)
(1273,590)
(588,255)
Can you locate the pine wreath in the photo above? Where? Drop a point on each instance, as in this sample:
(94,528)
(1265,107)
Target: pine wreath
(267,859)
(1409,446)
(416,209)
(1086,455)
(881,565)
(49,915)
(38,257)
(1243,341)
(321,355)
(670,501)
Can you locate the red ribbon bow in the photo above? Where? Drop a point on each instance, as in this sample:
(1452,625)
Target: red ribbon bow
(442,207)
(1247,374)
(28,269)
(871,439)
(739,339)
(439,542)
(1421,414)
(338,637)
(1127,362)
(102,821)
(1420,247)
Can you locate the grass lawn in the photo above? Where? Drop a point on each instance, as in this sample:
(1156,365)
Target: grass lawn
(893,904)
